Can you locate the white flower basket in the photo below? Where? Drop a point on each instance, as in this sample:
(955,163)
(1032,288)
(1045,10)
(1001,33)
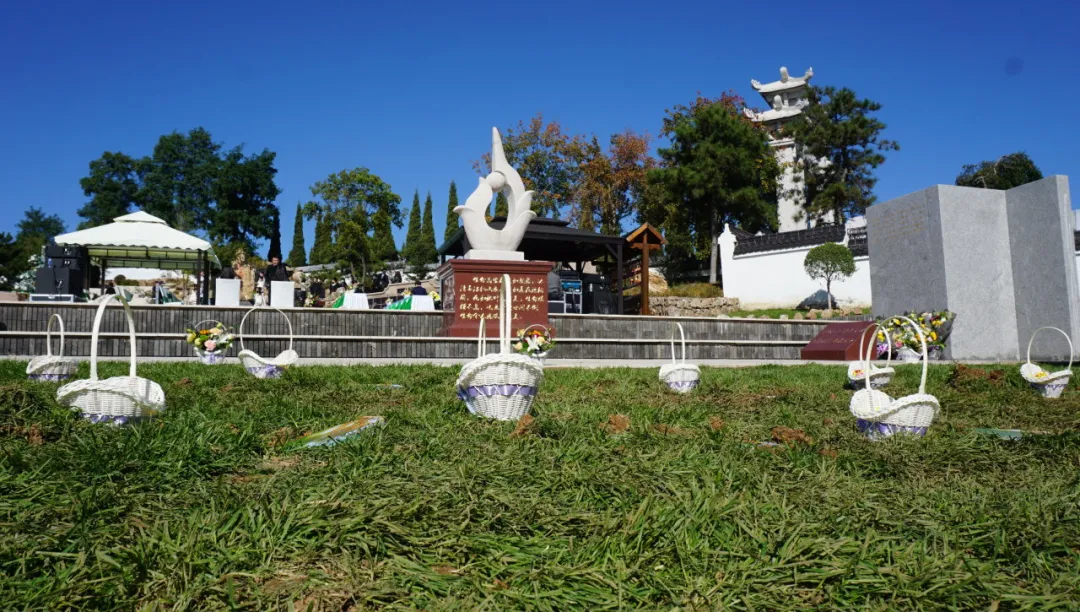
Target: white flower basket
(541,356)
(501,385)
(214,357)
(260,367)
(857,371)
(120,399)
(907,355)
(680,377)
(49,367)
(1049,384)
(880,416)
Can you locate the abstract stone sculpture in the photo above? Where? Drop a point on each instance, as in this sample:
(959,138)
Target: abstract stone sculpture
(486,242)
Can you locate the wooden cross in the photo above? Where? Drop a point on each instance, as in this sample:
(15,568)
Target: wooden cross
(645,238)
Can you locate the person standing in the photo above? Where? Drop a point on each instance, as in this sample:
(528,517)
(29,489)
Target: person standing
(276,271)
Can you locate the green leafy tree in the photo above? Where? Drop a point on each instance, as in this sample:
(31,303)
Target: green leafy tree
(36,229)
(298,255)
(452,218)
(412,236)
(11,261)
(275,237)
(830,262)
(348,200)
(842,145)
(179,183)
(114,186)
(323,246)
(430,251)
(1006,172)
(718,169)
(244,193)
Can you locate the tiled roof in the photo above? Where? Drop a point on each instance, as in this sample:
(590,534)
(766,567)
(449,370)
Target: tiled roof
(790,240)
(857,242)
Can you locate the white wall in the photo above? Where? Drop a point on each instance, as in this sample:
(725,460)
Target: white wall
(777,279)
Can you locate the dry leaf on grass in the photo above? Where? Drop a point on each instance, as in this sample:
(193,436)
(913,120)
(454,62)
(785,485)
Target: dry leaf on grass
(446,570)
(716,423)
(524,427)
(183,382)
(828,452)
(34,436)
(279,437)
(616,424)
(499,585)
(787,435)
(671,430)
(274,464)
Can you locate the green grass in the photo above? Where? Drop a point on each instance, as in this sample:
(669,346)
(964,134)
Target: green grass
(204,508)
(774,313)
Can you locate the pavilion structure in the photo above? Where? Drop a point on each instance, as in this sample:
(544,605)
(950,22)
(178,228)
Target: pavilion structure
(141,240)
(786,99)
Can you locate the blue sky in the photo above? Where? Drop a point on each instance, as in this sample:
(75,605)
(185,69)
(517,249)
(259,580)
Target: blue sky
(411,89)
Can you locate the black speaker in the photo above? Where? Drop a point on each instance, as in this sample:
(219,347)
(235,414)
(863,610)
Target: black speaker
(58,281)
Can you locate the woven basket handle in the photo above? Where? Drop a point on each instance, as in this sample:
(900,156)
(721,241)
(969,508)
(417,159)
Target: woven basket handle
(481,349)
(1030,342)
(48,335)
(97,330)
(869,345)
(866,363)
(506,314)
(240,331)
(925,356)
(682,337)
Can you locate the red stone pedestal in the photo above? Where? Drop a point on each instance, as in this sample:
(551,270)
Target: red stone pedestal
(839,341)
(470,291)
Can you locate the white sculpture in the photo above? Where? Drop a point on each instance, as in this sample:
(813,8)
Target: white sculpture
(486,242)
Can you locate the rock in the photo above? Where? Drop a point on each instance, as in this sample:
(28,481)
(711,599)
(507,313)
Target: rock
(666,306)
(784,317)
(723,316)
(812,315)
(828,314)
(799,316)
(750,317)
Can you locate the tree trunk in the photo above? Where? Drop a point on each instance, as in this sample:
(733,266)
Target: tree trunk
(713,250)
(828,293)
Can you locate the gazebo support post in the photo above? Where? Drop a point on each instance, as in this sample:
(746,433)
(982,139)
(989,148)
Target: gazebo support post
(206,280)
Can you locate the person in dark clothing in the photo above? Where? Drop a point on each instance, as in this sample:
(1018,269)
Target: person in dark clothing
(227,273)
(418,289)
(110,288)
(316,289)
(276,271)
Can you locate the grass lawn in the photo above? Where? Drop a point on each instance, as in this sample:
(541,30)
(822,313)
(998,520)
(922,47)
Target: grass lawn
(208,508)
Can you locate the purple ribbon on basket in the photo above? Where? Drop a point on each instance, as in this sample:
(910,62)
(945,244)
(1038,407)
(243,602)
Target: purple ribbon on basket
(489,390)
(50,377)
(109,419)
(683,385)
(875,431)
(266,371)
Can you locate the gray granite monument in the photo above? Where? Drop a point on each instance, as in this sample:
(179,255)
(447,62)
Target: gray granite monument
(1003,261)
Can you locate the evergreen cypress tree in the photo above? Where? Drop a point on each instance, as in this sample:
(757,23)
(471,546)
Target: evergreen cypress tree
(383,249)
(430,250)
(412,237)
(297,256)
(275,236)
(320,251)
(451,216)
(502,207)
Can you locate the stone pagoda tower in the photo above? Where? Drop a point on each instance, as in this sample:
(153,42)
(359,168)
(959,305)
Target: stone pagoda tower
(787,99)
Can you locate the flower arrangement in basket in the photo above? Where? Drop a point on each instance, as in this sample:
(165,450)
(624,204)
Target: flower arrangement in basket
(680,377)
(500,385)
(535,341)
(858,371)
(1049,384)
(210,343)
(261,367)
(905,344)
(49,367)
(117,400)
(880,416)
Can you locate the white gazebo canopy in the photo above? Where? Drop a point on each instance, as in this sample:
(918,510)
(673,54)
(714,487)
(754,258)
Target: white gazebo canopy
(141,240)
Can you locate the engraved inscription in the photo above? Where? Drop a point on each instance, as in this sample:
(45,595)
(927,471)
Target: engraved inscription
(478,296)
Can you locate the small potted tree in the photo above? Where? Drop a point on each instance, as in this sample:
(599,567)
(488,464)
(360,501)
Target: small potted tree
(830,262)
